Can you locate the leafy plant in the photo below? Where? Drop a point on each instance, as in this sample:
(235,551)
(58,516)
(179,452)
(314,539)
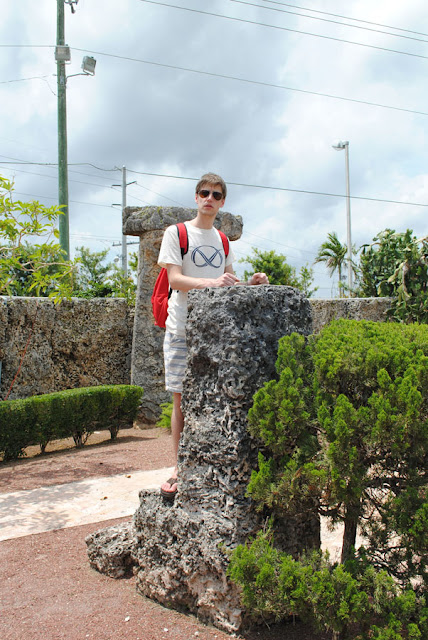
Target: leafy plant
(395,265)
(279,271)
(165,416)
(347,602)
(36,268)
(97,279)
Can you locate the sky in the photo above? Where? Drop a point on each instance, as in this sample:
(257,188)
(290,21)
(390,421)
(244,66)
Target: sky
(257,91)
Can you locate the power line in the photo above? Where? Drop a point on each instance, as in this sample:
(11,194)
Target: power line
(247,80)
(337,15)
(55,164)
(256,82)
(44,175)
(344,24)
(270,188)
(244,184)
(91,204)
(272,26)
(159,194)
(287,246)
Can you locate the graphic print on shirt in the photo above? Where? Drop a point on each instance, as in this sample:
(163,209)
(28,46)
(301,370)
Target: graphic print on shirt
(207,256)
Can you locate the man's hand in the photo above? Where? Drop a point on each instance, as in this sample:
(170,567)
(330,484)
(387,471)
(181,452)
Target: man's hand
(225,280)
(258,278)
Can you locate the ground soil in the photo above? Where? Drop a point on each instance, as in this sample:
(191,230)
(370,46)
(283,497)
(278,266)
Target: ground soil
(47,589)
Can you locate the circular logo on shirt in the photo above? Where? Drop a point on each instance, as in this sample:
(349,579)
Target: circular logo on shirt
(207,256)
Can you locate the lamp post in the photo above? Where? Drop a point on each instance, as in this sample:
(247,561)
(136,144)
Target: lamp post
(340,146)
(63,56)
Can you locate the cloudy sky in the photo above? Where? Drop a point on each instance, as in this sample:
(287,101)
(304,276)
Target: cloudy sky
(255,90)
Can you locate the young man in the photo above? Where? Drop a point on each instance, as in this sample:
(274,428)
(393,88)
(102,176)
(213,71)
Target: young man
(204,265)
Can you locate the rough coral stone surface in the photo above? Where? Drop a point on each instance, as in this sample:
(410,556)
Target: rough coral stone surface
(77,343)
(110,550)
(324,311)
(137,221)
(181,549)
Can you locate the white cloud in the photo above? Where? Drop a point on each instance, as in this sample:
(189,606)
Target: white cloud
(162,120)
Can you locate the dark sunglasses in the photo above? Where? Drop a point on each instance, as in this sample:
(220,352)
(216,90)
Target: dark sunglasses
(204,193)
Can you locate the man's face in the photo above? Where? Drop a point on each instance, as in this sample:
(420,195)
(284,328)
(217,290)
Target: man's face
(209,205)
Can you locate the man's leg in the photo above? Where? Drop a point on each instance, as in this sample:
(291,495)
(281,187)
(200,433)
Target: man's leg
(175,352)
(177,424)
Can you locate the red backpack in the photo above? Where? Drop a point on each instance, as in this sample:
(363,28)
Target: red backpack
(162,291)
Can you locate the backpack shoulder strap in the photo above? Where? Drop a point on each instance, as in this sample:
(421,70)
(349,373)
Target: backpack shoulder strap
(225,241)
(183,238)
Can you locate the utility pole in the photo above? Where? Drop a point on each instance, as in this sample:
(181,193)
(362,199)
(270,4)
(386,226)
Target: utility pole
(62,56)
(124,247)
(124,244)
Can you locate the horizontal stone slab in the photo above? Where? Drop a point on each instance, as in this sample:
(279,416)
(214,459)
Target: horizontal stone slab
(139,220)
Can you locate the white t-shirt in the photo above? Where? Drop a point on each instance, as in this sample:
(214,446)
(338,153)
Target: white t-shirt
(204,259)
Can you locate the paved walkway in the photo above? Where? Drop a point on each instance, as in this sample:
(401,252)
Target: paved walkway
(68,505)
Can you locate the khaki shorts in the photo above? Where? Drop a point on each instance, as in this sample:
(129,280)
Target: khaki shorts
(175,355)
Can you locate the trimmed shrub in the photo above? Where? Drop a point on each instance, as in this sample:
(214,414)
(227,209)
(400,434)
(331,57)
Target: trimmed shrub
(74,413)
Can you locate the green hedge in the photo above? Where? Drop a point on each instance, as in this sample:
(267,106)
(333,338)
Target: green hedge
(72,413)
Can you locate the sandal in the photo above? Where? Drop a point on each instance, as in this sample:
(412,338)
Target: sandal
(169,495)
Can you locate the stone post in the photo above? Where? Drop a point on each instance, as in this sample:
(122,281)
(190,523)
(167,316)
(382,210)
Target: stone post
(149,224)
(180,550)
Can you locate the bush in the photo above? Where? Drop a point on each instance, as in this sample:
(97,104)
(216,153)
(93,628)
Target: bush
(348,602)
(72,413)
(165,417)
(346,425)
(396,265)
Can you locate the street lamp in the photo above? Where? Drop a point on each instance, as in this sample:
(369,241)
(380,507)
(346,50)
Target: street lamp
(340,146)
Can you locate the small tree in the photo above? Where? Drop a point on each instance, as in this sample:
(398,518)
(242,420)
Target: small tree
(279,271)
(30,268)
(333,253)
(97,279)
(91,276)
(347,423)
(345,426)
(395,265)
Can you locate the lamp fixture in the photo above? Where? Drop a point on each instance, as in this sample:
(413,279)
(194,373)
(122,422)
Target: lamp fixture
(88,65)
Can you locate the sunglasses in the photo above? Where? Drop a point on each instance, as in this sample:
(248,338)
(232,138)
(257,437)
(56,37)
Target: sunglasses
(204,193)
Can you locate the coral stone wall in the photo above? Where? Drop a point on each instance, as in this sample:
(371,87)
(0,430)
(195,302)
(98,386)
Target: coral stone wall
(89,342)
(78,343)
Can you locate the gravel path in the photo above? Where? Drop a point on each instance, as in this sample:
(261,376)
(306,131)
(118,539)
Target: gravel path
(47,589)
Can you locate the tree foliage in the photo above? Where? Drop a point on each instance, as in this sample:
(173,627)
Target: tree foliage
(344,427)
(333,253)
(346,423)
(279,271)
(97,279)
(395,265)
(354,601)
(31,260)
